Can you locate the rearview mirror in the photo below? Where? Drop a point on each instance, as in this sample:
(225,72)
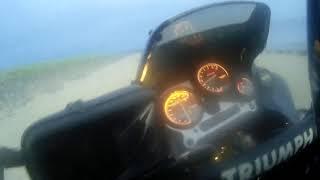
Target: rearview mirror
(88,137)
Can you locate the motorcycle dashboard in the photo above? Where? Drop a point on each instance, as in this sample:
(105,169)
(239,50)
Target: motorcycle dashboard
(203,96)
(205,89)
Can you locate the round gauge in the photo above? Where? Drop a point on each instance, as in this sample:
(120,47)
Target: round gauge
(245,87)
(213,77)
(182,108)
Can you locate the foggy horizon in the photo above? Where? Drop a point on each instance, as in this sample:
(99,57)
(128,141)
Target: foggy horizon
(35,31)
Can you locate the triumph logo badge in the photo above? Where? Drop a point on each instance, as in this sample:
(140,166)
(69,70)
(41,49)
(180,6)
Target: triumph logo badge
(265,162)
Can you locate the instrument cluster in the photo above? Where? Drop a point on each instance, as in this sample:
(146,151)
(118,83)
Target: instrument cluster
(184,104)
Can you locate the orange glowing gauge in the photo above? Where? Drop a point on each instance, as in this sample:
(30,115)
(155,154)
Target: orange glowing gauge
(245,87)
(182,109)
(213,77)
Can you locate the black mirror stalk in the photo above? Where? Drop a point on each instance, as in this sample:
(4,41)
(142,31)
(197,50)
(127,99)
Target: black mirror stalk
(9,158)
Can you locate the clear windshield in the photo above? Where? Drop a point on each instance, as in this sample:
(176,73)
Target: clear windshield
(206,20)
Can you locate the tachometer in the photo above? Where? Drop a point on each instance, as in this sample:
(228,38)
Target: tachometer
(213,77)
(182,108)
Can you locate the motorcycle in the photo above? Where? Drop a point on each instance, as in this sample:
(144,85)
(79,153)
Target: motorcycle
(199,109)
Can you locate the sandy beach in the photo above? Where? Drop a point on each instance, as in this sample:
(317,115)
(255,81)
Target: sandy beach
(293,68)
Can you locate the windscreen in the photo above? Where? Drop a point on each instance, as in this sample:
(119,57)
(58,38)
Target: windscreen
(206,20)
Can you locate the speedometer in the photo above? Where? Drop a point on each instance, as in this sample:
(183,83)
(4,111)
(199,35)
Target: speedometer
(213,77)
(182,108)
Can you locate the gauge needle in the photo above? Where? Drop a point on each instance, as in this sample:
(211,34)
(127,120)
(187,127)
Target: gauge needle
(210,74)
(222,76)
(211,78)
(186,113)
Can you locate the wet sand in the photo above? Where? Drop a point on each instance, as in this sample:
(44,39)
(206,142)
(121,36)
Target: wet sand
(294,70)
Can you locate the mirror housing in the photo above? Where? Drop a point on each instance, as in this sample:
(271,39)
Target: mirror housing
(88,137)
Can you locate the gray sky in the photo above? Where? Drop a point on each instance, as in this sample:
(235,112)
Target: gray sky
(40,30)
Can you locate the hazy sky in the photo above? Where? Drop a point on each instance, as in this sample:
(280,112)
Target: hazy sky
(40,30)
